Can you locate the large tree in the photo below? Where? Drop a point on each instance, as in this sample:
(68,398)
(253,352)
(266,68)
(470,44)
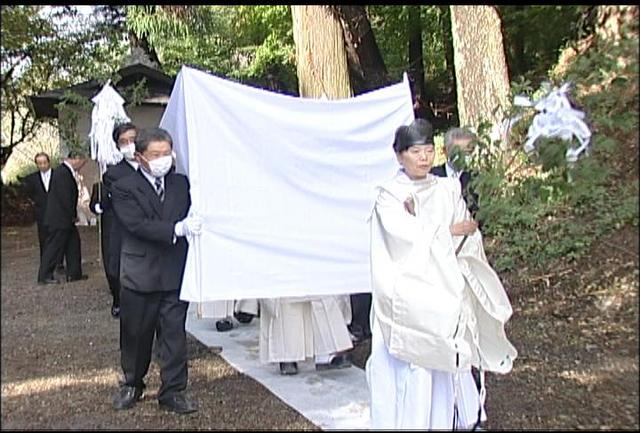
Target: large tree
(482,79)
(321,57)
(366,66)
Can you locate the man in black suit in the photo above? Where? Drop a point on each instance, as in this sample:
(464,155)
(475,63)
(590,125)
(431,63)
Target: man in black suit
(60,219)
(152,206)
(459,143)
(124,135)
(36,186)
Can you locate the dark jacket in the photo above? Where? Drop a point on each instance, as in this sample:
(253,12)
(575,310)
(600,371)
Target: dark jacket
(114,234)
(34,188)
(469,195)
(150,260)
(62,200)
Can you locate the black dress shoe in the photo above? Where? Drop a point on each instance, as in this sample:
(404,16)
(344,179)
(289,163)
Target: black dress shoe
(178,403)
(49,281)
(243,317)
(115,311)
(288,368)
(127,397)
(337,362)
(224,325)
(79,278)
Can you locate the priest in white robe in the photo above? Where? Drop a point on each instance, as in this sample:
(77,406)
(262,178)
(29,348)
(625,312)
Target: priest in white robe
(295,329)
(434,313)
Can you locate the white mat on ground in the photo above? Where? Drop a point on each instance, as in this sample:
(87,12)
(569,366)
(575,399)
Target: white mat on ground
(334,399)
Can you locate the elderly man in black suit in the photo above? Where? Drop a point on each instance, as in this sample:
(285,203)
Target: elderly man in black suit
(459,143)
(60,219)
(36,186)
(124,136)
(152,206)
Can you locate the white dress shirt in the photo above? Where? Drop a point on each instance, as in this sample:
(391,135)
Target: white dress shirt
(451,172)
(46,177)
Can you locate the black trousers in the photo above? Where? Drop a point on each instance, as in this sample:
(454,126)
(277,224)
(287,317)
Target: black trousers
(360,312)
(107,256)
(142,315)
(42,236)
(61,243)
(42,239)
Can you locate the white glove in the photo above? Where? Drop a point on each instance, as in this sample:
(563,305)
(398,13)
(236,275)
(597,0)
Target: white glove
(190,226)
(98,208)
(194,224)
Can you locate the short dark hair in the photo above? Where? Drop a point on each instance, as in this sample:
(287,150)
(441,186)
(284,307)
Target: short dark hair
(39,154)
(419,132)
(146,136)
(78,153)
(121,129)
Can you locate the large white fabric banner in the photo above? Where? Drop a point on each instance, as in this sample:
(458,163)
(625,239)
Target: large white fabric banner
(284,185)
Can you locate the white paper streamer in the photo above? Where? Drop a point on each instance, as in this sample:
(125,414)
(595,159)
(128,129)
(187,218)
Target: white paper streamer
(556,118)
(107,112)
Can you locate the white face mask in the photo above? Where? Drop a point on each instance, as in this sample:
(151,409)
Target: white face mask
(128,151)
(160,166)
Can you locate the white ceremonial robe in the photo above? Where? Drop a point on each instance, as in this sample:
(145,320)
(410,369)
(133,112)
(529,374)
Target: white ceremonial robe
(405,396)
(430,308)
(294,329)
(225,309)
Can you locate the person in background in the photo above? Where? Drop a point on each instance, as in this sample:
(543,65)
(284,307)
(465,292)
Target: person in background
(124,136)
(60,220)
(36,187)
(459,144)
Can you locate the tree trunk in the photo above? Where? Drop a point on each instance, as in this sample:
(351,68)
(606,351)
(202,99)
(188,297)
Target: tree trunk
(416,63)
(481,69)
(611,21)
(367,70)
(321,59)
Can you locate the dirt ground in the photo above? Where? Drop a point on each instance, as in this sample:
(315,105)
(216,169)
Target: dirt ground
(576,332)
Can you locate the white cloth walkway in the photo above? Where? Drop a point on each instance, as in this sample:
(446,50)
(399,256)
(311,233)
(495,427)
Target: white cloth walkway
(334,399)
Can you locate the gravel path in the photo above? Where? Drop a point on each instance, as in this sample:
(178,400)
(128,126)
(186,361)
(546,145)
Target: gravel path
(577,338)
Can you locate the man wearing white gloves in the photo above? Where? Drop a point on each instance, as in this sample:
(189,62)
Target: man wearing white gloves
(152,205)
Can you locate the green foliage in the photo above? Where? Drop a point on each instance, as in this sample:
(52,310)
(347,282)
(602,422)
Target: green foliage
(45,48)
(533,215)
(253,44)
(534,35)
(390,25)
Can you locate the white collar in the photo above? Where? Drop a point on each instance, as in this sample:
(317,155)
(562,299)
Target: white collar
(451,172)
(133,164)
(46,174)
(65,162)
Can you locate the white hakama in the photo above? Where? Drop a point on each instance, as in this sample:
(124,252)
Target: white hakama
(405,396)
(292,330)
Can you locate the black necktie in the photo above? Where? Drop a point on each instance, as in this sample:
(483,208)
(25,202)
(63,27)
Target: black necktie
(159,188)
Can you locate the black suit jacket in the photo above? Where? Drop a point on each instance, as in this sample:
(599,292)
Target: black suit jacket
(34,188)
(150,260)
(98,196)
(469,195)
(114,235)
(62,200)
